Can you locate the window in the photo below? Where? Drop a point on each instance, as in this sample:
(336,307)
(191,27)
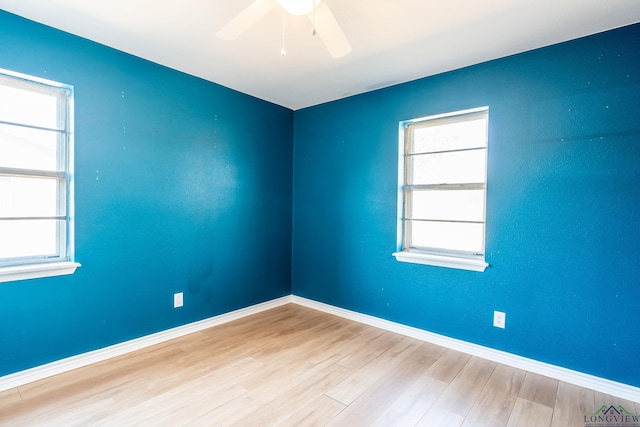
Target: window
(442,195)
(36,165)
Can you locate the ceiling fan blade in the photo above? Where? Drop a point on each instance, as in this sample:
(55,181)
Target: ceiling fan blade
(246,19)
(330,32)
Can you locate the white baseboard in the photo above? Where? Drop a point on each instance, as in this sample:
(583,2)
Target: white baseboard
(74,362)
(612,388)
(616,389)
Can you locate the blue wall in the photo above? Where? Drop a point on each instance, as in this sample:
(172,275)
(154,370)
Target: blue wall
(181,185)
(563,222)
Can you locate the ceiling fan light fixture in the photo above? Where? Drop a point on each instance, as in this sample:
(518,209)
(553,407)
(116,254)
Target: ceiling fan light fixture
(299,7)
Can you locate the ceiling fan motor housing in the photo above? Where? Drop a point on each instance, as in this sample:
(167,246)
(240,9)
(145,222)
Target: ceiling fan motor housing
(299,7)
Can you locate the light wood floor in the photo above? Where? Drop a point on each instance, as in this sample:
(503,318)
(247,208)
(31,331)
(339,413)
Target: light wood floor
(293,366)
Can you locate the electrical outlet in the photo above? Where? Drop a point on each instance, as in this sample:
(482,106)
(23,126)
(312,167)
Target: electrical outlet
(499,319)
(178,300)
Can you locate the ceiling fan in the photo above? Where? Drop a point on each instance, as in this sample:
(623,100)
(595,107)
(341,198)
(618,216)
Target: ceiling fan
(324,23)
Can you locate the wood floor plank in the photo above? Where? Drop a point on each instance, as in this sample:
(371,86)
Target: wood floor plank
(317,412)
(9,398)
(370,405)
(284,324)
(371,348)
(448,365)
(38,416)
(494,406)
(350,389)
(464,389)
(111,371)
(432,350)
(412,404)
(284,373)
(83,415)
(135,396)
(193,401)
(439,417)
(278,409)
(539,389)
(572,404)
(187,399)
(527,413)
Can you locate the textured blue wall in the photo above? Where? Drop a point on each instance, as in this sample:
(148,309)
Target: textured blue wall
(563,222)
(181,185)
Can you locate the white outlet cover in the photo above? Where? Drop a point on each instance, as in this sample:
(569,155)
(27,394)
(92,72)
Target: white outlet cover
(178,300)
(499,319)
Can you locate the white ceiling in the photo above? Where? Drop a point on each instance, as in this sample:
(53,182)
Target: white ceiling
(393,41)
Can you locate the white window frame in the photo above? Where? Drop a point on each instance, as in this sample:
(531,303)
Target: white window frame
(436,256)
(62,262)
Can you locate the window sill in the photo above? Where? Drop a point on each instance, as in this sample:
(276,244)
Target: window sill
(35,271)
(441,261)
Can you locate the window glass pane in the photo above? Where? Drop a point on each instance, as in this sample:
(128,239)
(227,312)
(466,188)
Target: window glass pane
(447,235)
(28,197)
(448,168)
(34,169)
(28,148)
(29,238)
(29,105)
(458,205)
(443,135)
